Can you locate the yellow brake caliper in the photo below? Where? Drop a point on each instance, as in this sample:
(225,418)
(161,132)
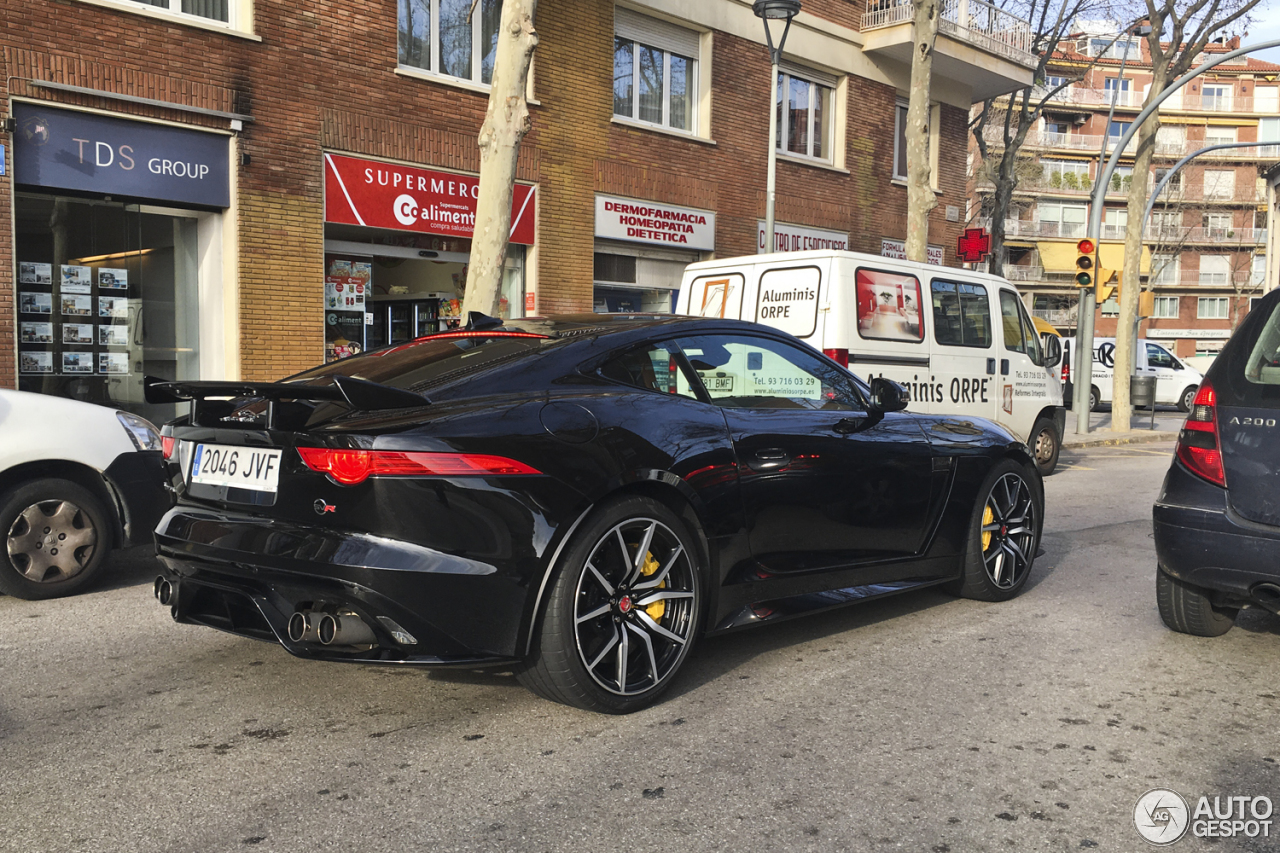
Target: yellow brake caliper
(658,608)
(987,517)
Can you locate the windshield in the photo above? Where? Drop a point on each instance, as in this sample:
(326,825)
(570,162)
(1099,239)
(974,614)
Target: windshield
(433,361)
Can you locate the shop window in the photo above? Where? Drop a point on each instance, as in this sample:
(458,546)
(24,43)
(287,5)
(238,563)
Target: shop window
(889,306)
(961,314)
(626,284)
(448,38)
(107,294)
(655,72)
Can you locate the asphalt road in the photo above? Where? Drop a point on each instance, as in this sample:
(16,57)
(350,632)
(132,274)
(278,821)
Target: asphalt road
(919,723)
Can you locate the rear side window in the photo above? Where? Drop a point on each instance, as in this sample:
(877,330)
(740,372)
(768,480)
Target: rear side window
(889,306)
(1263,366)
(1247,373)
(961,314)
(649,367)
(747,372)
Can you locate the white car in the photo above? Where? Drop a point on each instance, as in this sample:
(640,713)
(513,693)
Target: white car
(76,480)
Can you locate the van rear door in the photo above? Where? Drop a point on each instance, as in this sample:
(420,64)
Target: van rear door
(963,370)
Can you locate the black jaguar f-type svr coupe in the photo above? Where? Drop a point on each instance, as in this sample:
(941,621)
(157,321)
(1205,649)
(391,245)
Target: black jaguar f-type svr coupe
(575,497)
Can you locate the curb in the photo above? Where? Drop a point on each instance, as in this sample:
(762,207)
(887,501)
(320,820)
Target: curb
(1140,438)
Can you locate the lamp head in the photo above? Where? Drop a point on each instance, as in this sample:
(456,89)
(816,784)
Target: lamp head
(776,9)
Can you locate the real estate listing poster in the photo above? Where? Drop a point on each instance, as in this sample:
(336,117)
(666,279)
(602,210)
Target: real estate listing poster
(113,362)
(76,279)
(77,333)
(35,303)
(35,362)
(77,306)
(113,336)
(32,273)
(77,362)
(113,306)
(113,279)
(36,333)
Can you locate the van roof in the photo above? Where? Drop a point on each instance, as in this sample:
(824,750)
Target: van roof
(856,257)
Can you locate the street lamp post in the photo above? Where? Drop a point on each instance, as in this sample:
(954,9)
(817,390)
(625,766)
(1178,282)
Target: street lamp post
(773,10)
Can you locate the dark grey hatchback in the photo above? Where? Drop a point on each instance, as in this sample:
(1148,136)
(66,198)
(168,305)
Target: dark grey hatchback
(1217,519)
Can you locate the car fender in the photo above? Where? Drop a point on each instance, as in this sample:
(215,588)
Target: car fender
(39,427)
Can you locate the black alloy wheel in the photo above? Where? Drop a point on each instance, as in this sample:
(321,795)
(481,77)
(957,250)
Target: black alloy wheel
(623,612)
(1004,534)
(56,539)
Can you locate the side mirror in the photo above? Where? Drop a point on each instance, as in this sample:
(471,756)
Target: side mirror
(888,396)
(1177,365)
(1052,350)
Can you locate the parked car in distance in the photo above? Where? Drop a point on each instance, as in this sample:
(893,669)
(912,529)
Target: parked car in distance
(961,341)
(1217,518)
(578,498)
(1176,381)
(76,480)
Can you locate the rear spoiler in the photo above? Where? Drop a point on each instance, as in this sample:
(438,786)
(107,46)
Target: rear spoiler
(356,393)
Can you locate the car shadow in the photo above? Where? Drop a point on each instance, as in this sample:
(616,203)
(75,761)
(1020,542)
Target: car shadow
(1256,620)
(126,567)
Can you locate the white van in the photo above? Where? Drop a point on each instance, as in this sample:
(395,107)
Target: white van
(961,342)
(1176,381)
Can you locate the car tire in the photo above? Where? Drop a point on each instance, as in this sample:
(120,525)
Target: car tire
(617,629)
(1004,534)
(57,535)
(1045,445)
(1188,398)
(1095,398)
(1187,609)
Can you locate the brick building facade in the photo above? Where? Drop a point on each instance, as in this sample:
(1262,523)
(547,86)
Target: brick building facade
(246,289)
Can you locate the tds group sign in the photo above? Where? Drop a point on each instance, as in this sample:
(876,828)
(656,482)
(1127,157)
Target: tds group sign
(86,152)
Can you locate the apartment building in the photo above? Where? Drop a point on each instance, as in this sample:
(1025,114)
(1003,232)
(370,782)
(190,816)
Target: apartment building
(1205,241)
(241,189)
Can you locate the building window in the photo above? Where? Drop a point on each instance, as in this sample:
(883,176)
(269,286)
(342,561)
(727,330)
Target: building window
(1215,97)
(1215,269)
(1217,226)
(1166,308)
(1269,131)
(1053,81)
(1164,268)
(444,37)
(1171,139)
(1055,132)
(1174,185)
(1212,308)
(1067,174)
(1219,135)
(1114,222)
(655,71)
(804,117)
(1118,88)
(1119,49)
(1266,99)
(1061,220)
(1219,185)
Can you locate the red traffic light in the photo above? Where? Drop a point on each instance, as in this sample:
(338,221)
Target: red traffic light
(1085,247)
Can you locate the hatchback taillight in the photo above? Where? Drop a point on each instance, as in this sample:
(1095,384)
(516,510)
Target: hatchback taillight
(840,356)
(350,467)
(1198,444)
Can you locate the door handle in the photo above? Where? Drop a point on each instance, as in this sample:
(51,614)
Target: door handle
(1004,367)
(991,367)
(769,459)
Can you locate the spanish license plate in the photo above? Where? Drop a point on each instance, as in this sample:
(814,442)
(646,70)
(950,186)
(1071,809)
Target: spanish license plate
(253,468)
(719,383)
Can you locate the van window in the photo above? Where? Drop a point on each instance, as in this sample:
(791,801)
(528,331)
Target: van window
(1035,350)
(961,314)
(651,367)
(716,295)
(889,306)
(1158,357)
(1014,339)
(788,300)
(747,372)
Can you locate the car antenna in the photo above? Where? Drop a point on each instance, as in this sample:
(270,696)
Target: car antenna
(478,321)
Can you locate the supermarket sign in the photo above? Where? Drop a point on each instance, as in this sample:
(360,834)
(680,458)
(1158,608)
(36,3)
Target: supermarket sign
(657,224)
(405,198)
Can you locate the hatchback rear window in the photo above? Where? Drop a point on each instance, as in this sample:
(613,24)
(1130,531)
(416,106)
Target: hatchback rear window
(1248,370)
(433,361)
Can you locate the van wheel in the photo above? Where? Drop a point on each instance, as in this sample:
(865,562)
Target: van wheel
(1095,397)
(1188,399)
(1045,445)
(1187,609)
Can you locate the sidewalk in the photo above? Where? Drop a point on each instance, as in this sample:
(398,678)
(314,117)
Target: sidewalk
(1167,424)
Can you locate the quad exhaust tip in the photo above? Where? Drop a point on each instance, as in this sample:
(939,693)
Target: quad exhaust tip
(344,629)
(302,627)
(1268,595)
(164,591)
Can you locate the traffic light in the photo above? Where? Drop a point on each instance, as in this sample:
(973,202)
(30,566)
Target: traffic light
(1103,287)
(1084,263)
(1146,303)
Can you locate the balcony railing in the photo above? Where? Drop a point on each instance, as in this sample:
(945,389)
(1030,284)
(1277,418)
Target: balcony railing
(1064,141)
(975,21)
(1057,316)
(1189,101)
(1019,273)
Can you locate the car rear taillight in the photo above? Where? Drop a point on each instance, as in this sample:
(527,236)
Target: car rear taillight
(167,444)
(1065,378)
(350,467)
(1198,444)
(840,356)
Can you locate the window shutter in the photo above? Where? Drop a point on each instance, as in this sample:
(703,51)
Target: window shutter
(808,74)
(655,33)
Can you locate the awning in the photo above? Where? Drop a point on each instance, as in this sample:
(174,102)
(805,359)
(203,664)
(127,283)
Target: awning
(1061,257)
